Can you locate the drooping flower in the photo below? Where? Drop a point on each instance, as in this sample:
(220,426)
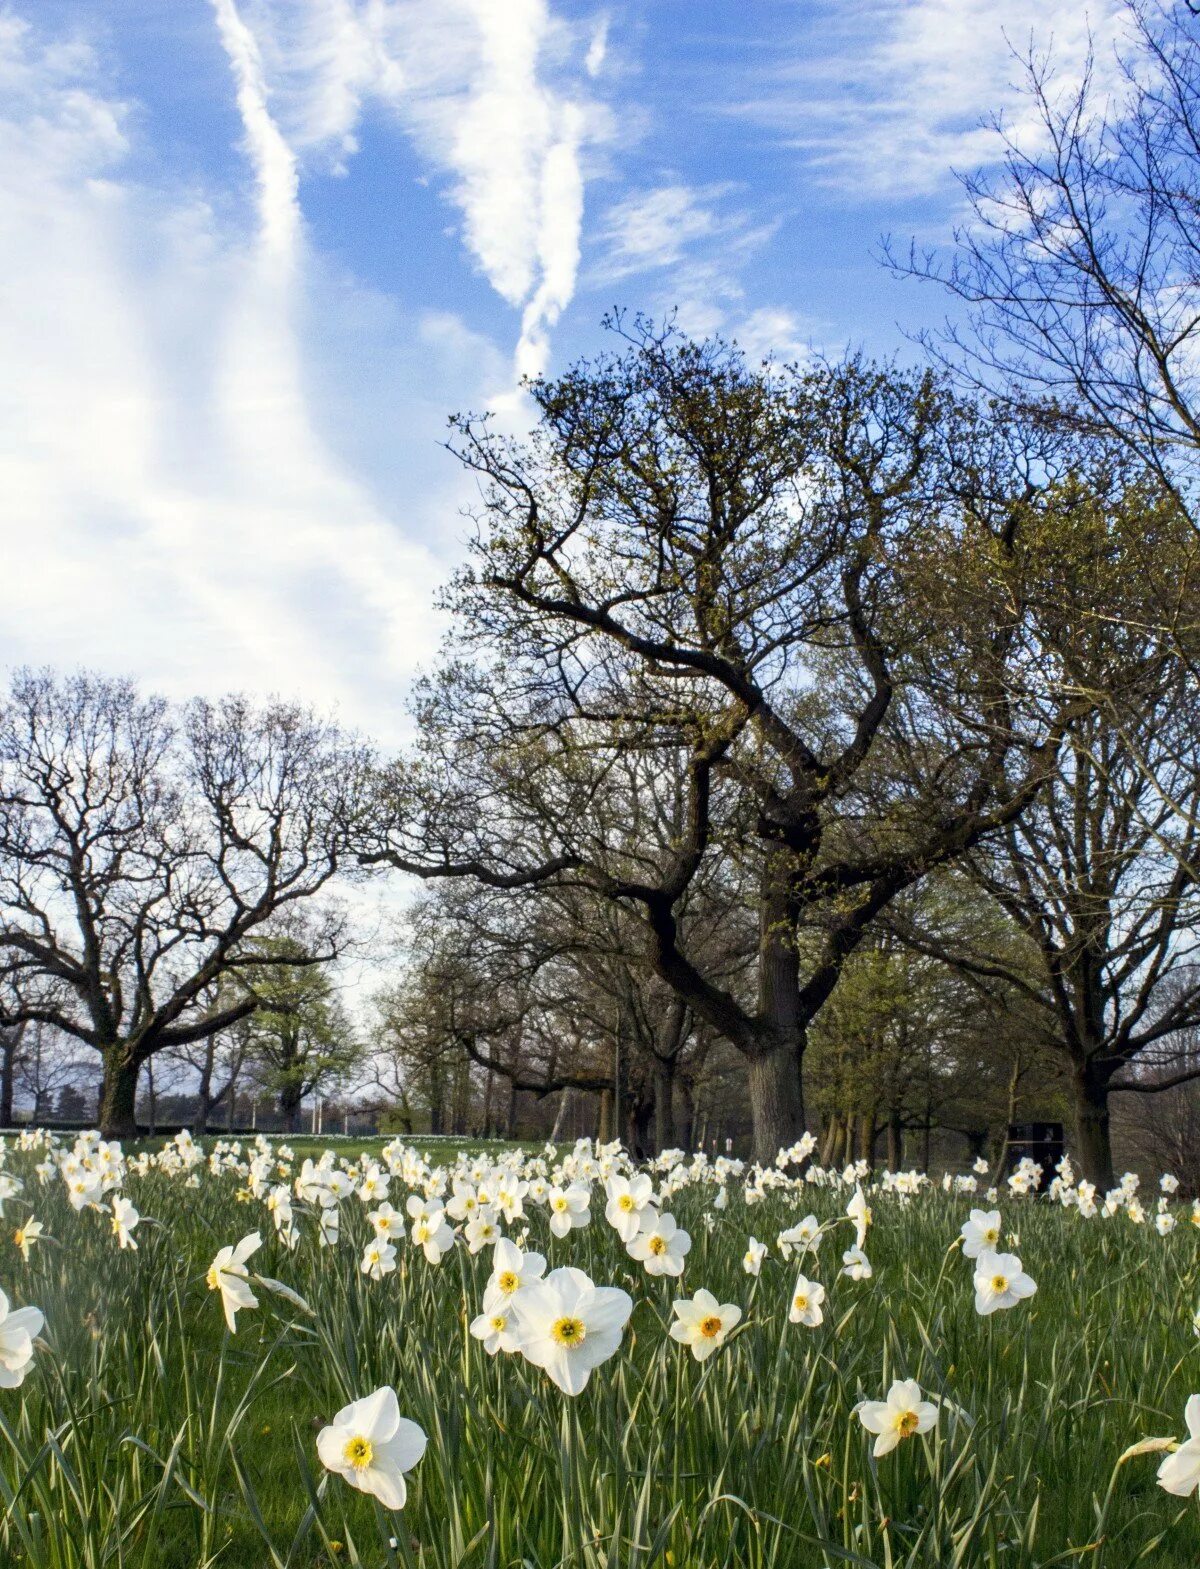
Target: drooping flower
(228,1274)
(752,1259)
(27,1236)
(703,1323)
(807,1297)
(567,1326)
(901,1415)
(1000,1282)
(805,1235)
(18,1330)
(370,1445)
(856,1265)
(860,1213)
(1180,1472)
(124,1222)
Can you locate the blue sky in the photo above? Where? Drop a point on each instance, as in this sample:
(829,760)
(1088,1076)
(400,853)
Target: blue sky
(255,251)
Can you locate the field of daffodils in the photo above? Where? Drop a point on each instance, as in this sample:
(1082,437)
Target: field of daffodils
(229,1355)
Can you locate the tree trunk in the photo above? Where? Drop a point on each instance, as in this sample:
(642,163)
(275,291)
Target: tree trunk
(289,1105)
(604,1117)
(687,1124)
(776,1093)
(664,1107)
(776,1106)
(510,1111)
(118,1097)
(895,1142)
(1093,1141)
(204,1091)
(8,1063)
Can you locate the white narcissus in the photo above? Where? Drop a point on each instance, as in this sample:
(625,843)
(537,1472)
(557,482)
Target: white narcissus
(807,1297)
(18,1330)
(568,1208)
(1180,1472)
(901,1415)
(371,1446)
(752,1259)
(1000,1282)
(856,1265)
(627,1198)
(567,1326)
(859,1212)
(124,1221)
(494,1326)
(228,1274)
(703,1324)
(981,1233)
(660,1246)
(512,1269)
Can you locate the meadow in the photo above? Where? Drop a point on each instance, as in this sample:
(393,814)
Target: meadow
(140,1431)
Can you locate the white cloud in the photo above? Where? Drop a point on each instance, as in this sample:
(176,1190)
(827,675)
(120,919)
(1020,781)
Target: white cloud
(494,97)
(893,97)
(168,494)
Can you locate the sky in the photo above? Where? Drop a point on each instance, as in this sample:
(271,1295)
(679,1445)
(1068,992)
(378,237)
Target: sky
(256,251)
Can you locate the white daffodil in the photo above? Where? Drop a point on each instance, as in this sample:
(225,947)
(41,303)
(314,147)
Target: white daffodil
(856,1265)
(860,1213)
(370,1445)
(628,1197)
(27,1236)
(430,1230)
(386,1222)
(124,1222)
(18,1330)
(1180,1472)
(567,1326)
(901,1415)
(568,1208)
(805,1235)
(703,1323)
(512,1269)
(807,1297)
(228,1274)
(378,1260)
(660,1246)
(981,1233)
(481,1231)
(1000,1282)
(752,1259)
(494,1326)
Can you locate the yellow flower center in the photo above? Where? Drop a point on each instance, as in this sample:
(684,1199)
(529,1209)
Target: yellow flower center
(991,1235)
(657,1245)
(498,1322)
(710,1327)
(569,1332)
(999,1282)
(358,1453)
(508,1281)
(214,1278)
(625,1202)
(906,1423)
(560,1204)
(800,1303)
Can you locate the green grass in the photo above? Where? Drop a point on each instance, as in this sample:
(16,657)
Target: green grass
(147,1436)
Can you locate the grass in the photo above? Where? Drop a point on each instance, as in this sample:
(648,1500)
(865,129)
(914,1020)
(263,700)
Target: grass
(148,1436)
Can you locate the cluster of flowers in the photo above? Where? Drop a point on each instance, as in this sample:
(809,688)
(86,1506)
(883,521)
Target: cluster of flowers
(559,1321)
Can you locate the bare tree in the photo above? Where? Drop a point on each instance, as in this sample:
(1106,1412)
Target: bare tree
(1081,262)
(658,576)
(141,846)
